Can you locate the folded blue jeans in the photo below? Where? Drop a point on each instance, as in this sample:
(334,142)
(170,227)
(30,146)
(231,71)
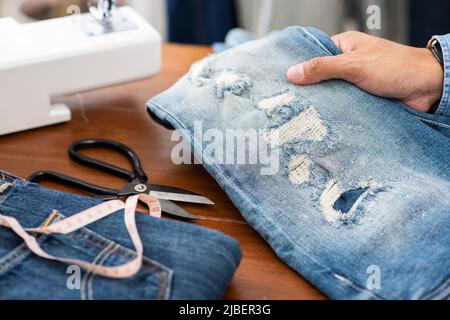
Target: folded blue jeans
(360,205)
(182,261)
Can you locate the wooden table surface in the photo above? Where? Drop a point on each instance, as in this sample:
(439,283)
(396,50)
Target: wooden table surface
(118,113)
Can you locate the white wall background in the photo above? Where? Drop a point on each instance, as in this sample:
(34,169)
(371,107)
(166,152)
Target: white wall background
(154,11)
(327,15)
(324,14)
(261,16)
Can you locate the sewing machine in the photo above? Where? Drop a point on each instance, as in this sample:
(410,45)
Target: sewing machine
(44,60)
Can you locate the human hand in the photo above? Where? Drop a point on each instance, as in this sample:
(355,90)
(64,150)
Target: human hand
(381,67)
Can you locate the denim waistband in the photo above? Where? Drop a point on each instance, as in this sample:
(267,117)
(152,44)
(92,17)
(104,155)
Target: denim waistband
(6,177)
(7,180)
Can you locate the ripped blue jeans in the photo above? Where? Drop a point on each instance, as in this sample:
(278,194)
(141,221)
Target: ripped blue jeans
(360,205)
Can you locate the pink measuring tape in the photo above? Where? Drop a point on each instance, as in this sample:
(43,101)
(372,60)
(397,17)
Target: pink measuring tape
(84,219)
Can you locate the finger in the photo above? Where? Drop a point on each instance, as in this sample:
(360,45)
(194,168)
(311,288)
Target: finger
(319,69)
(338,41)
(348,41)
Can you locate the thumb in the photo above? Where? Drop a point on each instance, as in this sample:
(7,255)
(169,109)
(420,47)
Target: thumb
(317,70)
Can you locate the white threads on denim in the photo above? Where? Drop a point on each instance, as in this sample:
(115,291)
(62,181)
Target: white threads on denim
(231,82)
(228,78)
(329,197)
(200,70)
(225,80)
(300,169)
(306,126)
(276,102)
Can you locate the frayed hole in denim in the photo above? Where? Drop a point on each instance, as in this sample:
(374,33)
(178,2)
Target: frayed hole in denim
(348,199)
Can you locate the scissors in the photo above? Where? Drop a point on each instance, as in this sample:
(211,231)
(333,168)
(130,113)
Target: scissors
(137,178)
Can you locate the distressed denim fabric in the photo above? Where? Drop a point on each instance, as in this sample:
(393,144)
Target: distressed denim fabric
(182,261)
(361,204)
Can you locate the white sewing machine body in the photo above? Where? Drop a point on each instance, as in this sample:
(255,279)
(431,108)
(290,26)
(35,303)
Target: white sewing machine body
(43,60)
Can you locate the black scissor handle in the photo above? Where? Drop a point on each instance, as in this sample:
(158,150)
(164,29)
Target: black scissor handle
(138,172)
(72,182)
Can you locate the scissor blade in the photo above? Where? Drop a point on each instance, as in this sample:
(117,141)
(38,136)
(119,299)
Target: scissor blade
(172,209)
(179,195)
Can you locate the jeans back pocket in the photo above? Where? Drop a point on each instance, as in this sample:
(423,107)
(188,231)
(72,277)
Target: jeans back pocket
(24,275)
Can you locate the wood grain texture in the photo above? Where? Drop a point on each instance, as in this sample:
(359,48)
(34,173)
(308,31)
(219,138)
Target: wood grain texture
(118,113)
